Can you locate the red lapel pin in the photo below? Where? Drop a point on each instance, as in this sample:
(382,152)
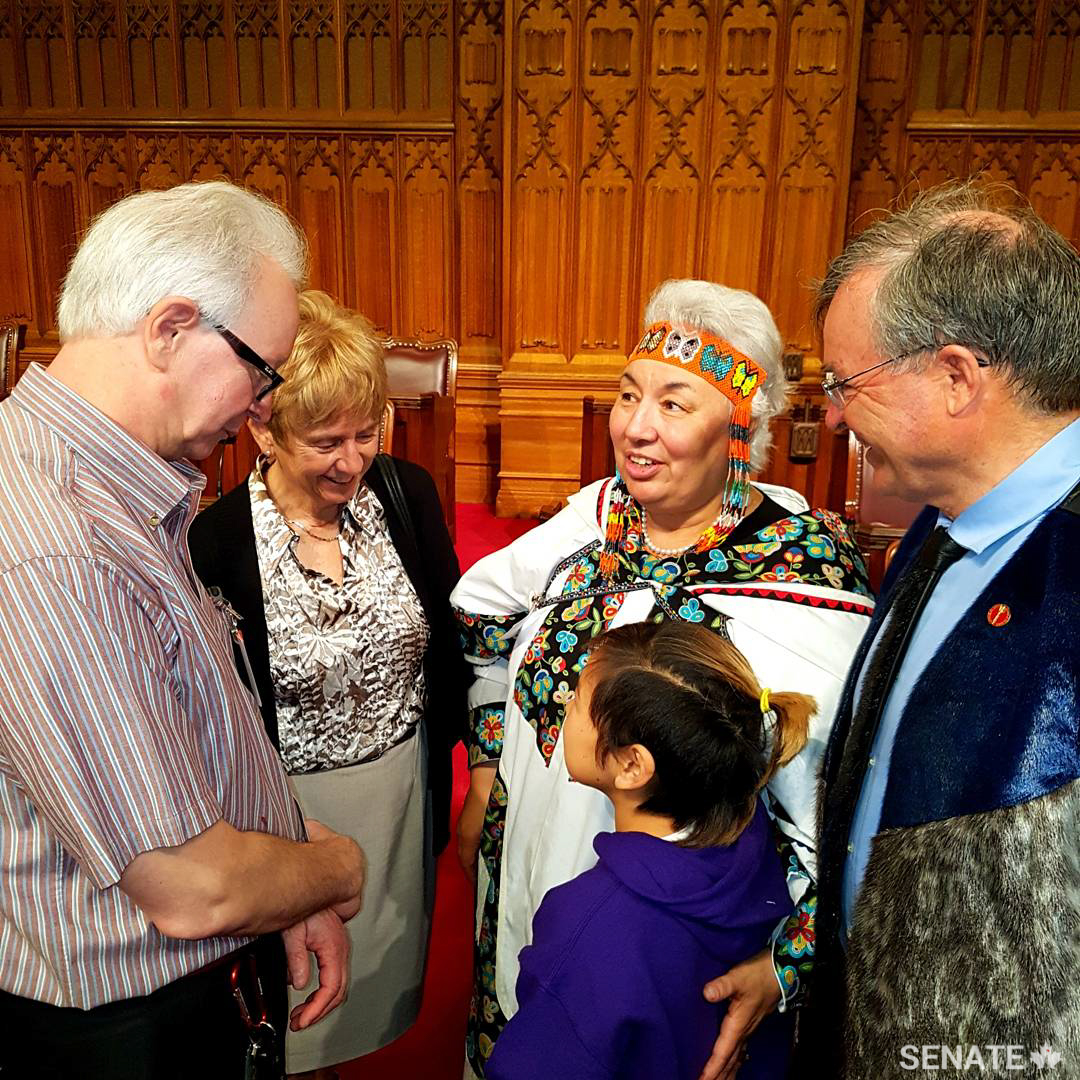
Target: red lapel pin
(998,615)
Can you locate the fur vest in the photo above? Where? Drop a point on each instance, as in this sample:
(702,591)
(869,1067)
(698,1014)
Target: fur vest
(967,927)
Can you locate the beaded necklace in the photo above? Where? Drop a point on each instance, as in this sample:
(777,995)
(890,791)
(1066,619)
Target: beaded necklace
(624,510)
(657,550)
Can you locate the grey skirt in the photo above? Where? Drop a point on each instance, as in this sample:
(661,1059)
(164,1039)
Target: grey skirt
(382,805)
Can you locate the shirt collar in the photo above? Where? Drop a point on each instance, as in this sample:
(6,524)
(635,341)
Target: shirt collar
(151,486)
(1031,490)
(270,523)
(362,513)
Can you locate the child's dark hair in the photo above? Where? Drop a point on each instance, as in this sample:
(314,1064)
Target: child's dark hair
(690,697)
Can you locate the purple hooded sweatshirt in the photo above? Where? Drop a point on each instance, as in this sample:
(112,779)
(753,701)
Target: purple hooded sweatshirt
(611,986)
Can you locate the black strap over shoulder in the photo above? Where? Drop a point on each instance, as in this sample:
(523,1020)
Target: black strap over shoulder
(387,469)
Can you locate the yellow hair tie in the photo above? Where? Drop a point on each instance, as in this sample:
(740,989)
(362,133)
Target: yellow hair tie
(764,700)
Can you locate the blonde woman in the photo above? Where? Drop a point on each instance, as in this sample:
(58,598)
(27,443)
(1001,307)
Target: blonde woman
(338,561)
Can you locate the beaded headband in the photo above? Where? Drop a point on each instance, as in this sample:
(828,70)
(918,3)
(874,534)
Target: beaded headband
(715,360)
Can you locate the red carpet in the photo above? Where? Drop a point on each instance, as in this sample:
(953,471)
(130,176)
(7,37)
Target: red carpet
(433,1049)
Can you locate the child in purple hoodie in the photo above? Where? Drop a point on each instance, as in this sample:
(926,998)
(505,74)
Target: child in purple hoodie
(670,723)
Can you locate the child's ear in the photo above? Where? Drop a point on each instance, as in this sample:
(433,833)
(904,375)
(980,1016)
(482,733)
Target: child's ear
(635,767)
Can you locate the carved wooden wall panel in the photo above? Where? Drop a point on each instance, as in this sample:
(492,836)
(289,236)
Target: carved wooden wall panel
(378,210)
(56,213)
(373,208)
(317,168)
(479,274)
(185,58)
(648,139)
(519,174)
(16,276)
(741,165)
(952,88)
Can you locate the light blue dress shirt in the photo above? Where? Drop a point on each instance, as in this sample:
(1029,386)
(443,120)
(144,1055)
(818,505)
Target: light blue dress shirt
(992,530)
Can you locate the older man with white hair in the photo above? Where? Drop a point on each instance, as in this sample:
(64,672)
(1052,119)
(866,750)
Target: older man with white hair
(149,844)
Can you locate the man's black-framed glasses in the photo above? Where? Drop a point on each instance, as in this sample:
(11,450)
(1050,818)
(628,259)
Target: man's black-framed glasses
(250,356)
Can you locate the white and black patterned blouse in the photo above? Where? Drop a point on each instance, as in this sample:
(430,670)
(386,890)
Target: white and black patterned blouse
(346,660)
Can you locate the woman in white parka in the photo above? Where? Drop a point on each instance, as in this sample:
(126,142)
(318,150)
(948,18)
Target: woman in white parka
(678,533)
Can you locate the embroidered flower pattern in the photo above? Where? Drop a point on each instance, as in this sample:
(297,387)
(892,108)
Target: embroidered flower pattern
(484,738)
(486,1018)
(580,577)
(820,547)
(793,948)
(717,562)
(788,529)
(484,637)
(691,611)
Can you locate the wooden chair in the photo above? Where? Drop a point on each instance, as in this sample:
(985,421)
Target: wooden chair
(415,368)
(424,431)
(386,428)
(597,453)
(880,520)
(12,336)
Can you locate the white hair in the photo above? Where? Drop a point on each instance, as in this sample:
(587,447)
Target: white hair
(205,241)
(742,319)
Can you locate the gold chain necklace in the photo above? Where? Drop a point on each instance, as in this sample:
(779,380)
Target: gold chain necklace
(307,531)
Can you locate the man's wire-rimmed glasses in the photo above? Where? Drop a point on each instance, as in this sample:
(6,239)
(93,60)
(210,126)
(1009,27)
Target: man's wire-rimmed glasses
(833,387)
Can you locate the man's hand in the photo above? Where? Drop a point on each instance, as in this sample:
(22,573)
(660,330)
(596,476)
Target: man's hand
(754,993)
(471,823)
(318,833)
(323,934)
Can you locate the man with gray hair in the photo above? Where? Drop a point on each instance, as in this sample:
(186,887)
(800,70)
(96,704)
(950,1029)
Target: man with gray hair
(948,922)
(149,844)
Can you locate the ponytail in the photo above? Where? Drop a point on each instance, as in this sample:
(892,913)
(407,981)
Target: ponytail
(789,714)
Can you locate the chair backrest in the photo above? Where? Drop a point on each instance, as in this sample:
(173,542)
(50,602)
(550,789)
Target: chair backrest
(11,338)
(597,453)
(880,520)
(386,428)
(415,368)
(864,502)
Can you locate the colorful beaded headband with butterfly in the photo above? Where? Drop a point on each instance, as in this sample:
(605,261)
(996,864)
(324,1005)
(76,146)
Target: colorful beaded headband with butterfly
(717,361)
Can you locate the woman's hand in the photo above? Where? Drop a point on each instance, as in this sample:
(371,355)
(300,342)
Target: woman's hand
(754,993)
(471,823)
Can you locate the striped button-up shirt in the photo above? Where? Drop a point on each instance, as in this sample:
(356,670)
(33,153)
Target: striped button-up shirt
(123,724)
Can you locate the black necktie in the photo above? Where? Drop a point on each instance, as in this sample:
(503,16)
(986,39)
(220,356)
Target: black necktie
(913,590)
(886,655)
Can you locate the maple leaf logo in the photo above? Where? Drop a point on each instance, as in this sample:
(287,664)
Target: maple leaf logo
(1046,1058)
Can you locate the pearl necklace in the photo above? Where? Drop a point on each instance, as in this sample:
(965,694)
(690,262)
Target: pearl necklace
(656,550)
(304,528)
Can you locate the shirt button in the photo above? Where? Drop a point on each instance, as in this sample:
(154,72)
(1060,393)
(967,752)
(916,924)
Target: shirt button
(153,521)
(871,762)
(851,849)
